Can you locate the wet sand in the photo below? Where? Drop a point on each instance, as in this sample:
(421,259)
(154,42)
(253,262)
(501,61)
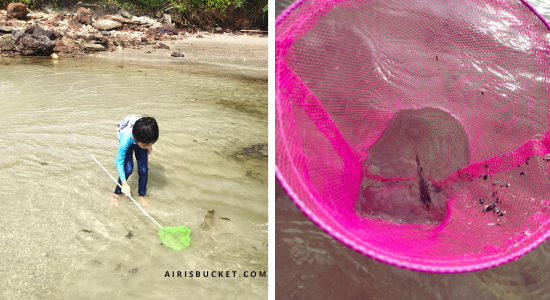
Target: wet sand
(233,54)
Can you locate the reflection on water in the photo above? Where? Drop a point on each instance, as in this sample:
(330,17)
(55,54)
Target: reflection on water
(61,234)
(310,264)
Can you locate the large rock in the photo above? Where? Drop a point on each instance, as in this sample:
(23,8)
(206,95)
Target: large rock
(156,25)
(166,29)
(17,11)
(28,45)
(68,42)
(34,41)
(6,45)
(92,47)
(36,31)
(126,14)
(119,19)
(5,29)
(84,16)
(73,23)
(16,35)
(104,24)
(145,21)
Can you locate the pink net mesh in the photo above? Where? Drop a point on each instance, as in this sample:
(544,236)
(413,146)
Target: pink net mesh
(417,132)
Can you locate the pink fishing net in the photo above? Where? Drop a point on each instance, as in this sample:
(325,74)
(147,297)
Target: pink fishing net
(417,132)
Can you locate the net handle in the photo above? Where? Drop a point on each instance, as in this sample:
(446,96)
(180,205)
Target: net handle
(128,194)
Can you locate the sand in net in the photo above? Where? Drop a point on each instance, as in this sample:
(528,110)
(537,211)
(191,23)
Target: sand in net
(417,132)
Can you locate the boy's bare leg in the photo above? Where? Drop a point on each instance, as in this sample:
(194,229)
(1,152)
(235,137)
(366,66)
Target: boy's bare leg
(114,199)
(144,202)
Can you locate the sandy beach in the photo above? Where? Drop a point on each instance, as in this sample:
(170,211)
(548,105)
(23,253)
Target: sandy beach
(241,52)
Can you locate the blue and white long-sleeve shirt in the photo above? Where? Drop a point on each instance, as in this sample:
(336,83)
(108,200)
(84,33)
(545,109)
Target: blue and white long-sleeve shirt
(124,132)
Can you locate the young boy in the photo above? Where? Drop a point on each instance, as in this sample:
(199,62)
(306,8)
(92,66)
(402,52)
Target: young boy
(136,135)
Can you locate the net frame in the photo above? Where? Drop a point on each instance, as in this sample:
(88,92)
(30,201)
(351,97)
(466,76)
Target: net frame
(289,172)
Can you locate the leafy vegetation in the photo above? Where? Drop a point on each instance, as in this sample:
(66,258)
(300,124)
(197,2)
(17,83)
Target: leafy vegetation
(192,13)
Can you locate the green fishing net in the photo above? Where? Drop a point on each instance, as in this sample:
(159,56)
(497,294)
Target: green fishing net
(175,238)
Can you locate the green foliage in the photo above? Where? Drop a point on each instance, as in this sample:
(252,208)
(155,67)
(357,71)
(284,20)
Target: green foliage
(239,3)
(191,13)
(31,3)
(27,3)
(212,6)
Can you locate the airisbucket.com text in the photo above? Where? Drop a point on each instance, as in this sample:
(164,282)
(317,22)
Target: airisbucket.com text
(215,274)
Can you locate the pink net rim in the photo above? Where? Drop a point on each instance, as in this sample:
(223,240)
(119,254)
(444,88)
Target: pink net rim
(425,266)
(397,262)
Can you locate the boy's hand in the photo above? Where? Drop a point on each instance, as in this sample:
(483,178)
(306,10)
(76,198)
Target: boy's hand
(149,150)
(125,188)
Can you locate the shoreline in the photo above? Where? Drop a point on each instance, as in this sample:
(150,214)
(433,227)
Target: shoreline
(243,52)
(151,42)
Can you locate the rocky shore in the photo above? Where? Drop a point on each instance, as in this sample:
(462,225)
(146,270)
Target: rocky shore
(84,31)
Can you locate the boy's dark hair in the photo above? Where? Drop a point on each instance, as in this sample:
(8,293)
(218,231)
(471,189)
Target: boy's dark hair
(146,130)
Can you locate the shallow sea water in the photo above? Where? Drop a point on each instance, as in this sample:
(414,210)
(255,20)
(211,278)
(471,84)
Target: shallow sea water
(62,239)
(310,264)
